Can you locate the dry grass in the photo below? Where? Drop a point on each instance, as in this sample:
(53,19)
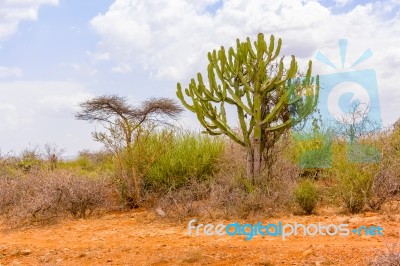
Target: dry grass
(47,196)
(229,194)
(390,258)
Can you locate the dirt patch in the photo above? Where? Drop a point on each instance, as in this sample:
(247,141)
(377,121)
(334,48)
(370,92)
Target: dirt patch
(141,238)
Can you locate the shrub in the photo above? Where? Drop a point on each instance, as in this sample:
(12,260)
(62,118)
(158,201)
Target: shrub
(9,196)
(30,160)
(229,194)
(306,195)
(185,202)
(81,196)
(236,196)
(353,181)
(43,196)
(169,160)
(354,186)
(385,185)
(312,150)
(90,164)
(389,259)
(386,182)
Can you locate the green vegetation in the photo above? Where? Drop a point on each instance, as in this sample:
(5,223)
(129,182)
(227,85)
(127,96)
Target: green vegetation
(269,98)
(186,173)
(306,195)
(146,161)
(181,157)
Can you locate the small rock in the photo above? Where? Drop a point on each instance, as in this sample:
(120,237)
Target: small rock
(318,263)
(44,259)
(160,212)
(82,255)
(307,252)
(26,252)
(16,263)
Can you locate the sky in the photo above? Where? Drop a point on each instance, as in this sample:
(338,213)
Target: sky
(55,54)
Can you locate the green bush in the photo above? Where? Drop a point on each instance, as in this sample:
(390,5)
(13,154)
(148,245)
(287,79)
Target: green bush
(90,164)
(306,195)
(312,150)
(353,181)
(168,160)
(30,160)
(354,187)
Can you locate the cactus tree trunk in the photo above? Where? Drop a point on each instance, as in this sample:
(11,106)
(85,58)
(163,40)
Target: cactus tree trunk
(249,163)
(256,160)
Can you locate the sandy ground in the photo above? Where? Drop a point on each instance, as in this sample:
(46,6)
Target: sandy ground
(141,238)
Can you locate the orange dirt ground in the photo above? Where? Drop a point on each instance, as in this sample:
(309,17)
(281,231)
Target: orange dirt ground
(141,238)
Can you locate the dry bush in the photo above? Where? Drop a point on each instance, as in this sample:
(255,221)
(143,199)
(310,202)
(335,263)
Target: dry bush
(231,194)
(231,199)
(235,196)
(386,182)
(385,185)
(81,196)
(47,196)
(185,202)
(8,194)
(390,258)
(228,193)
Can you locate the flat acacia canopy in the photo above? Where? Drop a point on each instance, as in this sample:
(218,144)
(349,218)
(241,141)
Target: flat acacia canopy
(109,107)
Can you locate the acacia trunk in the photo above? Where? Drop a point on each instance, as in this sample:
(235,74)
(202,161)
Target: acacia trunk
(135,188)
(132,180)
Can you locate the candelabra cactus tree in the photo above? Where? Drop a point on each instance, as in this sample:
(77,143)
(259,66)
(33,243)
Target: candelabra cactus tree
(268,97)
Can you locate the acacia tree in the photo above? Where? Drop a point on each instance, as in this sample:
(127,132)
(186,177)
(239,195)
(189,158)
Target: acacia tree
(268,98)
(124,124)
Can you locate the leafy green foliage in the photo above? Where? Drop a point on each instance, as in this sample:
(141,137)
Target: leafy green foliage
(90,164)
(306,195)
(353,180)
(169,160)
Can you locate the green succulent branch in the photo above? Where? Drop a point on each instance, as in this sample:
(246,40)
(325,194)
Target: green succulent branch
(266,101)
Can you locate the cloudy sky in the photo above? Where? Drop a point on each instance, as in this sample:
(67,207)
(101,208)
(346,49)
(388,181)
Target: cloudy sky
(55,54)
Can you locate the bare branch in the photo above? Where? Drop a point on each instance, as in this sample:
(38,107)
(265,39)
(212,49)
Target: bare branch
(122,119)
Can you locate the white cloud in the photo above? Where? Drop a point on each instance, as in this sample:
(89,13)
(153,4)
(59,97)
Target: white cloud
(96,57)
(341,3)
(122,68)
(40,98)
(12,12)
(11,117)
(42,112)
(80,69)
(10,72)
(66,102)
(170,39)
